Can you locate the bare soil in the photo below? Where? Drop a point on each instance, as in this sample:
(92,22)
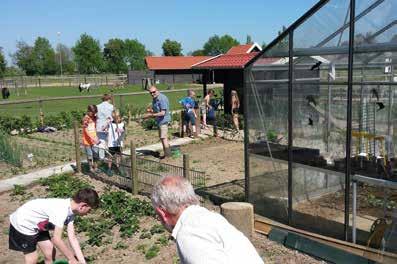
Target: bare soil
(49,149)
(221,160)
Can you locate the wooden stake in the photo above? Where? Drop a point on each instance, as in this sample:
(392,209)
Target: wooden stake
(134,174)
(186,166)
(77,146)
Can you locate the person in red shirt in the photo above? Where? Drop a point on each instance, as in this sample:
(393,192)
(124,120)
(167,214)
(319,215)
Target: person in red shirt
(90,139)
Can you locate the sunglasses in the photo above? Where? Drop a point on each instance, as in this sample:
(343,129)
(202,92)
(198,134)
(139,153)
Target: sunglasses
(153,92)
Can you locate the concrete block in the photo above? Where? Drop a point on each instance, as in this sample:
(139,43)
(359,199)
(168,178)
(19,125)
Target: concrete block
(240,215)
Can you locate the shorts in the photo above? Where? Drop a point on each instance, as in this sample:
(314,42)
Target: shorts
(115,150)
(189,118)
(235,111)
(203,110)
(25,243)
(92,152)
(102,135)
(163,131)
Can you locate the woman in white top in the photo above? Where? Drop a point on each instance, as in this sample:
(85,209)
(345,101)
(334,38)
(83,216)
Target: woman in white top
(116,132)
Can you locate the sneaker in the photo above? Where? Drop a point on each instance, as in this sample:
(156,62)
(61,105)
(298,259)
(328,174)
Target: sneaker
(109,172)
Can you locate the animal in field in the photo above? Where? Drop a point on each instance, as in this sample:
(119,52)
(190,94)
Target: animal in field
(5,92)
(84,87)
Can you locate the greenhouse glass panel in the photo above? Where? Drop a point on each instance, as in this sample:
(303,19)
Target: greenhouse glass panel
(267,116)
(319,108)
(374,134)
(378,25)
(328,27)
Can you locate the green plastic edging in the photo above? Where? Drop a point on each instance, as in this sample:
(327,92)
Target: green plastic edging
(325,252)
(278,235)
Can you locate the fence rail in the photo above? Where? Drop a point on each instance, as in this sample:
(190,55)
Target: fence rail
(137,173)
(20,82)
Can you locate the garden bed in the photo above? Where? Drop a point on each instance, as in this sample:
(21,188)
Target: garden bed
(49,149)
(148,243)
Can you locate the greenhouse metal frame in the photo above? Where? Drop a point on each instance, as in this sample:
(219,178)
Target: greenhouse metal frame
(319,104)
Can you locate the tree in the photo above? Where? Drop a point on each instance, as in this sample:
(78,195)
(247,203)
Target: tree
(172,48)
(65,54)
(3,63)
(43,57)
(283,43)
(249,40)
(23,58)
(264,45)
(88,55)
(198,52)
(114,56)
(13,71)
(218,45)
(135,53)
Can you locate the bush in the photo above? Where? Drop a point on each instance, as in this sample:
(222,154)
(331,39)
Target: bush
(25,124)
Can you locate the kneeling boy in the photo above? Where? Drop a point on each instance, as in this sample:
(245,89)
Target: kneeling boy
(30,225)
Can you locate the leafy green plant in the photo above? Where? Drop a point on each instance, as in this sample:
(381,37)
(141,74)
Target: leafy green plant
(152,252)
(157,229)
(163,240)
(149,124)
(63,185)
(9,151)
(145,234)
(120,245)
(374,201)
(271,135)
(18,190)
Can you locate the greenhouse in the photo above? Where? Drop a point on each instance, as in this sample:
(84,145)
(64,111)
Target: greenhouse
(321,124)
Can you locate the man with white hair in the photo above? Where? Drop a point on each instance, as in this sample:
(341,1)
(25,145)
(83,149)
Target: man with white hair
(201,236)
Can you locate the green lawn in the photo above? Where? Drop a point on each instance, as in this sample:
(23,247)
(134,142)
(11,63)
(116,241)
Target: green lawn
(45,92)
(54,107)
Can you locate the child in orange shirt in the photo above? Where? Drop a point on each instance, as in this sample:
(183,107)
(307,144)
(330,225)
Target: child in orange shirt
(90,139)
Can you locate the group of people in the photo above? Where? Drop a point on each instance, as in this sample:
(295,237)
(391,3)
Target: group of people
(104,129)
(103,133)
(201,236)
(207,108)
(160,110)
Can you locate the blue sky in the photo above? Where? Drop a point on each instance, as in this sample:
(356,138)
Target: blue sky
(150,21)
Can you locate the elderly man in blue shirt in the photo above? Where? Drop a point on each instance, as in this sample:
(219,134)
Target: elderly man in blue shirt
(161,112)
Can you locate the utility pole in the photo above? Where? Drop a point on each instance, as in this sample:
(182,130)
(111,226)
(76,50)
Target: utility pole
(60,50)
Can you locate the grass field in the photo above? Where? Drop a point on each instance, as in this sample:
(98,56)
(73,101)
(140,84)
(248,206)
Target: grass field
(54,107)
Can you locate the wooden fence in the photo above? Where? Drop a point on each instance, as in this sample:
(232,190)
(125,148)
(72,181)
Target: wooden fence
(19,83)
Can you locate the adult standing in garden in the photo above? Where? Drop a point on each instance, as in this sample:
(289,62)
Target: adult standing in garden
(190,116)
(201,236)
(104,117)
(204,108)
(160,110)
(235,106)
(212,107)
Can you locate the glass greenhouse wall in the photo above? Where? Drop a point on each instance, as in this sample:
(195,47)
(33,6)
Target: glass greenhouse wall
(321,124)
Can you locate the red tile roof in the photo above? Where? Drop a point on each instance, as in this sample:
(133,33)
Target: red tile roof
(174,62)
(227,61)
(243,49)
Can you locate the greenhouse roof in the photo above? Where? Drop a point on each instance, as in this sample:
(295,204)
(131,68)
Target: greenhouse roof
(174,62)
(227,61)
